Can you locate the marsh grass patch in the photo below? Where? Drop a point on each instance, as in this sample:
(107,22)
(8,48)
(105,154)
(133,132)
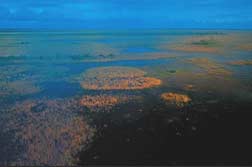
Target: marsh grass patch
(202,44)
(50,130)
(117,78)
(179,100)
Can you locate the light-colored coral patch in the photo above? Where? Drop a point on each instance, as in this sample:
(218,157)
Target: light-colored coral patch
(104,103)
(118,78)
(121,83)
(180,100)
(99,101)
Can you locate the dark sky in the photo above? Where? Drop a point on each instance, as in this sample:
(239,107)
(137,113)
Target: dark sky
(126,14)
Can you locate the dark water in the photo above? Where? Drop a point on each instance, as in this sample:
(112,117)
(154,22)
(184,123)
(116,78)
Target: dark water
(43,71)
(216,137)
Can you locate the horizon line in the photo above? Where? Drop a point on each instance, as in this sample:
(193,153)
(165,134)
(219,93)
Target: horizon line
(123,29)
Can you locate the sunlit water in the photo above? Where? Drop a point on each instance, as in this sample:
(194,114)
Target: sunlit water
(45,119)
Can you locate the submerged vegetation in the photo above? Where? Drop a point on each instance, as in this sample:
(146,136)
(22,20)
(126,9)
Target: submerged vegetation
(246,47)
(241,62)
(50,130)
(18,88)
(94,103)
(211,67)
(179,100)
(117,78)
(105,103)
(202,44)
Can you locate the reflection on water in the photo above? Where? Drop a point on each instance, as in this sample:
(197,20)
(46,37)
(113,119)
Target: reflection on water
(125,97)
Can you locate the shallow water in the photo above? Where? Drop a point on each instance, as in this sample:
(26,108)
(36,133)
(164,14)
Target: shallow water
(41,86)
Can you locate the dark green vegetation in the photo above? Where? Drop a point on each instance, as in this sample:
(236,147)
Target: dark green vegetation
(209,43)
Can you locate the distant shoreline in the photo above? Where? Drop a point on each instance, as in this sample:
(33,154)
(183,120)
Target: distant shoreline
(119,29)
